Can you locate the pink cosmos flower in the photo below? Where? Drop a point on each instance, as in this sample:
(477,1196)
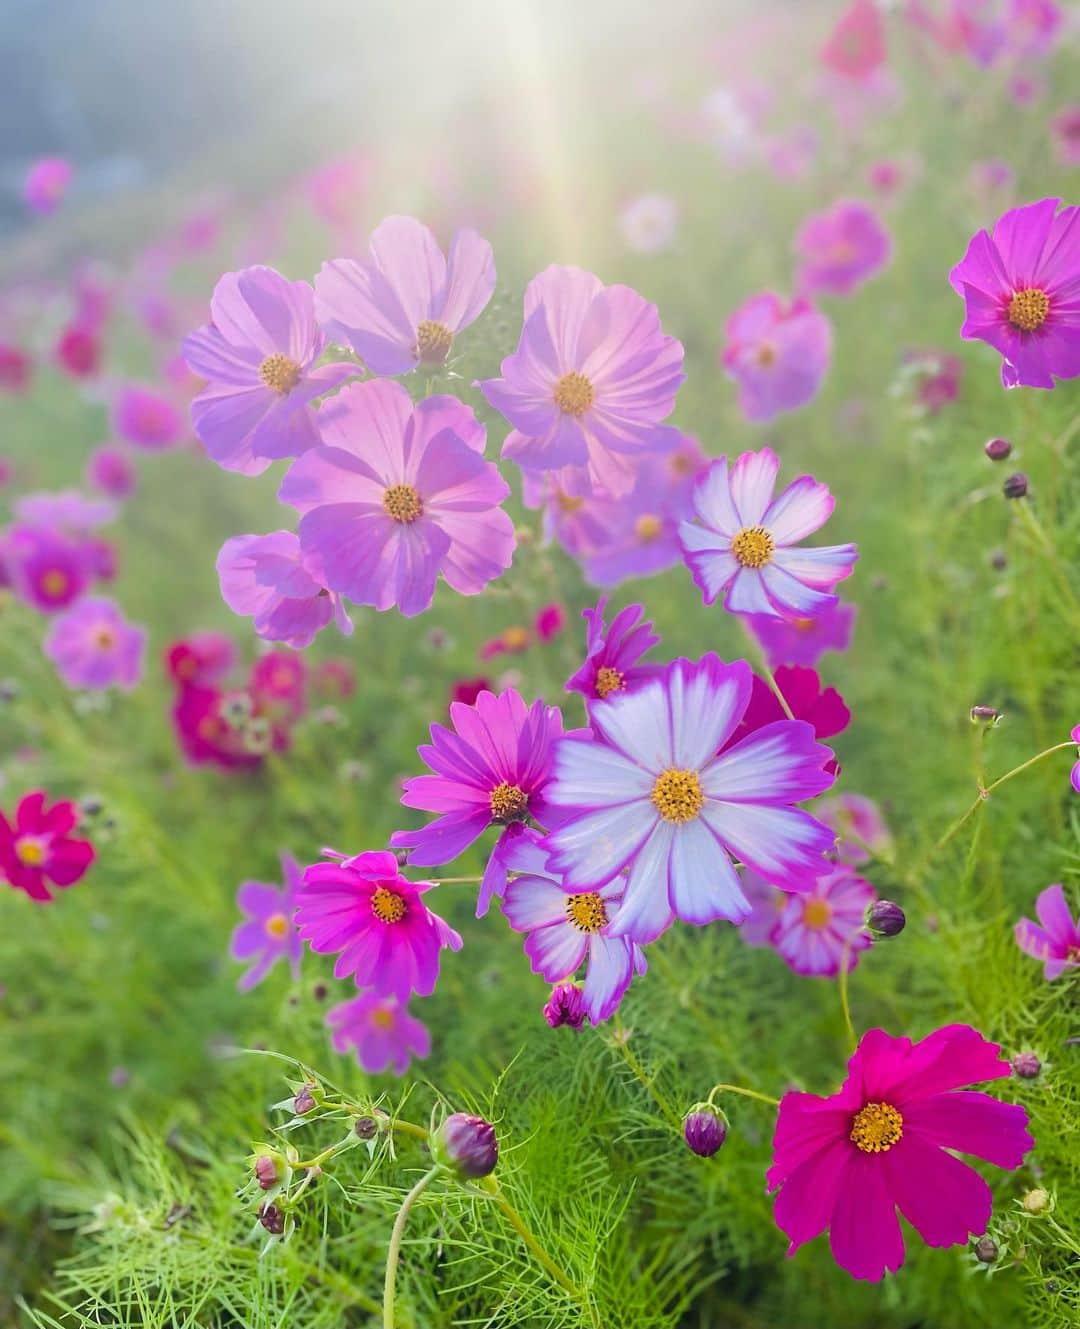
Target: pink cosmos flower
(847,1162)
(612,654)
(777,353)
(1057,941)
(335,678)
(840,249)
(402,308)
(398,494)
(278,685)
(204,732)
(815,931)
(264,577)
(767,903)
(1065,128)
(822,708)
(745,542)
(46,184)
(1074,774)
(268,933)
(94,646)
(365,912)
(861,832)
(653,795)
(856,46)
(566,931)
(550,621)
(380,1031)
(648,223)
(203,657)
(65,510)
(16,369)
(46,568)
(37,849)
(78,351)
(1019,286)
(514,640)
(111,472)
(147,418)
(937,378)
(589,384)
(258,356)
(803,641)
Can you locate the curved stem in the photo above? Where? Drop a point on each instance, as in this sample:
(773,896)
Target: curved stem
(518,1224)
(845,1005)
(746,1093)
(767,673)
(394,1252)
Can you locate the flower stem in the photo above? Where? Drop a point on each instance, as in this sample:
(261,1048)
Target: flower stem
(536,1250)
(746,1093)
(845,1004)
(767,673)
(394,1252)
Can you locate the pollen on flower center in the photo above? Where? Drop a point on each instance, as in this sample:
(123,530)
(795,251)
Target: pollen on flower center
(648,527)
(574,394)
(104,639)
(509,802)
(277,925)
(30,851)
(279,373)
(54,582)
(753,546)
(608,680)
(433,341)
(403,503)
(1028,310)
(387,905)
(765,355)
(569,503)
(586,912)
(816,914)
(876,1128)
(677,796)
(383,1018)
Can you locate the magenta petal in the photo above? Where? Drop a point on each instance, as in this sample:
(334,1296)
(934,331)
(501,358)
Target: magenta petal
(865,1232)
(943,1199)
(972,1123)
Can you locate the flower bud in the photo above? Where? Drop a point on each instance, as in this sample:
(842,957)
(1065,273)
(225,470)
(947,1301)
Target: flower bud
(997,449)
(986,715)
(704,1131)
(304,1100)
(1027,1065)
(565,1006)
(466,1145)
(266,1172)
(885,918)
(1016,485)
(271,1217)
(366,1128)
(986,1251)
(998,560)
(1037,1201)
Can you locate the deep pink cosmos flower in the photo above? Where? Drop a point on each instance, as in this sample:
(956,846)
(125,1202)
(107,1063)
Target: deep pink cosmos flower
(778,354)
(16,369)
(379,1031)
(364,911)
(840,249)
(146,418)
(612,654)
(402,308)
(204,657)
(803,641)
(111,471)
(550,621)
(398,494)
(1021,290)
(37,849)
(466,690)
(46,568)
(258,356)
(1057,941)
(264,577)
(78,351)
(652,794)
(563,931)
(816,931)
(46,184)
(1065,128)
(94,646)
(856,45)
(847,1162)
(822,708)
(589,384)
(746,544)
(861,832)
(268,933)
(278,686)
(205,733)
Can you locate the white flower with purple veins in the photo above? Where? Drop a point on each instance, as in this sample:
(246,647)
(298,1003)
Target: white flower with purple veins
(745,543)
(652,795)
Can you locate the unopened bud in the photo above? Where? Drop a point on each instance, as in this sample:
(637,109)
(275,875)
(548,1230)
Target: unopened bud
(704,1131)
(997,449)
(1016,485)
(304,1100)
(1027,1065)
(565,1006)
(986,1250)
(466,1145)
(1036,1201)
(366,1128)
(885,918)
(271,1217)
(987,715)
(266,1172)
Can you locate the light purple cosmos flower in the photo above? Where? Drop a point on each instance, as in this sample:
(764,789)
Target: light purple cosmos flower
(1057,941)
(1065,127)
(612,654)
(840,249)
(861,832)
(46,184)
(1021,291)
(778,354)
(589,384)
(564,931)
(398,494)
(258,354)
(803,641)
(1074,774)
(263,577)
(146,418)
(402,308)
(380,1031)
(815,931)
(649,795)
(268,933)
(747,542)
(111,472)
(65,510)
(94,646)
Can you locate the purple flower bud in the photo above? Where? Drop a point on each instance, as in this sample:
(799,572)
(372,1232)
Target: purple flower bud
(466,1145)
(1016,486)
(986,1250)
(366,1127)
(304,1100)
(271,1217)
(987,715)
(1027,1065)
(999,560)
(997,449)
(704,1131)
(565,1006)
(266,1172)
(885,918)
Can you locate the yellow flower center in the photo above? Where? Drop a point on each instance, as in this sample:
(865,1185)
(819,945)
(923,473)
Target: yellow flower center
(277,925)
(753,546)
(104,639)
(648,527)
(569,503)
(574,394)
(804,624)
(403,503)
(816,914)
(387,905)
(30,851)
(509,802)
(54,583)
(765,355)
(383,1018)
(677,796)
(586,912)
(608,680)
(279,373)
(876,1128)
(515,638)
(433,342)
(1028,310)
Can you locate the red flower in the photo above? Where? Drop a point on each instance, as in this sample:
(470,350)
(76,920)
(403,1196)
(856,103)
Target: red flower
(39,849)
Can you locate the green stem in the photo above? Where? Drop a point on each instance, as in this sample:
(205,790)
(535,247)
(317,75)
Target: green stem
(767,673)
(518,1224)
(1061,576)
(746,1093)
(845,1004)
(393,1254)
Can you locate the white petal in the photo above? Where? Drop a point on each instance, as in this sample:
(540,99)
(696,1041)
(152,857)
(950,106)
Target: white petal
(704,885)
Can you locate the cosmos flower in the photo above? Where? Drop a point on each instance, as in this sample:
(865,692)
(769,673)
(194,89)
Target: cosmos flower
(816,930)
(268,933)
(767,903)
(652,795)
(335,677)
(1019,285)
(16,369)
(206,733)
(514,640)
(803,641)
(111,472)
(565,1006)
(466,690)
(264,577)
(146,418)
(202,657)
(402,308)
(856,45)
(65,510)
(78,350)
(278,686)
(778,354)
(1065,128)
(46,184)
(1057,941)
(364,911)
(549,622)
(847,1162)
(397,494)
(746,544)
(840,249)
(46,568)
(937,378)
(38,850)
(612,654)
(861,832)
(94,646)
(258,356)
(589,384)
(379,1031)
(822,708)
(563,931)
(648,223)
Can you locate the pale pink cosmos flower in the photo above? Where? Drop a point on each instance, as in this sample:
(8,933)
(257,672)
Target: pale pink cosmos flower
(648,223)
(841,248)
(778,353)
(46,184)
(94,646)
(379,1031)
(264,577)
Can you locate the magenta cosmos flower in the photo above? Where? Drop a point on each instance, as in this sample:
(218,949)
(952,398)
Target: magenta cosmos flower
(258,355)
(803,641)
(263,577)
(823,931)
(778,354)
(650,795)
(613,653)
(147,418)
(402,308)
(46,184)
(398,494)
(822,708)
(1065,128)
(847,1162)
(563,931)
(47,569)
(111,472)
(268,933)
(364,911)
(744,542)
(840,249)
(589,384)
(94,646)
(1021,290)
(1057,942)
(38,850)
(379,1031)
